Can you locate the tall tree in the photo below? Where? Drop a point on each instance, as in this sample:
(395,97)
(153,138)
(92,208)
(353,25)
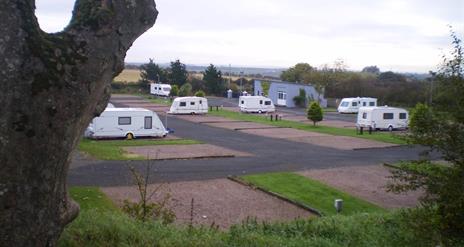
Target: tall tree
(178,73)
(371,69)
(152,72)
(441,127)
(52,85)
(297,73)
(213,78)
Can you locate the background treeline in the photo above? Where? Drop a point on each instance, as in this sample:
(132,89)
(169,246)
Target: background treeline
(336,82)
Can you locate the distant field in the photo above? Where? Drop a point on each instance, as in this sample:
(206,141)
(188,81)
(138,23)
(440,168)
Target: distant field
(128,75)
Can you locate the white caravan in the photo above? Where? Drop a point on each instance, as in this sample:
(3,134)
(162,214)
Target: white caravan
(160,89)
(352,105)
(189,105)
(257,104)
(126,122)
(386,118)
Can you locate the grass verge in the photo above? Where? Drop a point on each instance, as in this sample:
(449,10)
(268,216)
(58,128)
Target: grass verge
(100,223)
(113,150)
(91,198)
(376,136)
(312,193)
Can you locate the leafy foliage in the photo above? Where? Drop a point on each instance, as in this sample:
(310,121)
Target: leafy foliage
(442,129)
(265,85)
(371,69)
(178,73)
(300,100)
(174,90)
(185,90)
(200,93)
(214,81)
(152,72)
(315,113)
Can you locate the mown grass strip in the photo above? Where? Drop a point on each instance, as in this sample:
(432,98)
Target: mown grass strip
(376,136)
(312,193)
(113,150)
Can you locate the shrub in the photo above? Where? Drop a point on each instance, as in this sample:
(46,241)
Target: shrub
(200,93)
(174,90)
(315,113)
(185,90)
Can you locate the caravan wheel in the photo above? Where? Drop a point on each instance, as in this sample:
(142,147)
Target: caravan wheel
(260,111)
(129,136)
(390,128)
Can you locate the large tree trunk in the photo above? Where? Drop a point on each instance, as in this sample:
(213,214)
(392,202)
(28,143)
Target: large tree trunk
(51,86)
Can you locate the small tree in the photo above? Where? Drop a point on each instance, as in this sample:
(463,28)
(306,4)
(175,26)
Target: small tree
(265,85)
(200,93)
(174,90)
(185,90)
(315,113)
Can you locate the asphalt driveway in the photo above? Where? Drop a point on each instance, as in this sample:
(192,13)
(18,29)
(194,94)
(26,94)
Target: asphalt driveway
(269,155)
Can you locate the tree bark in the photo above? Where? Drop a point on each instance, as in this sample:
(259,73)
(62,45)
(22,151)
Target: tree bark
(51,86)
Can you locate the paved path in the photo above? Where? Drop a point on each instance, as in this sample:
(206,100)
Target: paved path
(269,155)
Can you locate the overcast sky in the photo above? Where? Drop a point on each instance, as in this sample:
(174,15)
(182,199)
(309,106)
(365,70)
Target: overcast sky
(398,35)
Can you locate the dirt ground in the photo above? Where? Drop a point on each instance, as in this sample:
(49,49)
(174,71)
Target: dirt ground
(195,151)
(241,125)
(367,182)
(218,201)
(205,119)
(342,142)
(337,142)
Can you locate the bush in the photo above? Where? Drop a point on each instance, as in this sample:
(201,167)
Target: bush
(315,113)
(129,88)
(185,90)
(300,100)
(174,90)
(200,93)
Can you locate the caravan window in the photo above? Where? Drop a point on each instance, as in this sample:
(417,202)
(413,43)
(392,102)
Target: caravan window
(371,103)
(201,102)
(166,89)
(267,102)
(364,103)
(124,120)
(183,104)
(365,115)
(148,123)
(388,116)
(354,104)
(192,103)
(260,102)
(344,104)
(243,102)
(403,115)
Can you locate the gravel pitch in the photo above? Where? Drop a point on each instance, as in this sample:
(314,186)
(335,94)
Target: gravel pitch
(367,182)
(166,152)
(220,202)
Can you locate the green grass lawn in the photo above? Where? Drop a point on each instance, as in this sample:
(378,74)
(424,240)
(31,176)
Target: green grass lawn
(376,136)
(157,100)
(311,193)
(113,150)
(92,198)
